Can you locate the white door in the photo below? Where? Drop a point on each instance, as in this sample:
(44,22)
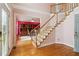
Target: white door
(0,31)
(76,33)
(5,38)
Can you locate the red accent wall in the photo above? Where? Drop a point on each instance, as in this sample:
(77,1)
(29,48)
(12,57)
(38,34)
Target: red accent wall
(25,22)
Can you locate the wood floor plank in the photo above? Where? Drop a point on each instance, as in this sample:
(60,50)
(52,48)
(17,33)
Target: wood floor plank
(27,49)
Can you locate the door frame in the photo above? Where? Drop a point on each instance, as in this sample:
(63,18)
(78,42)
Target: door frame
(4,7)
(75,33)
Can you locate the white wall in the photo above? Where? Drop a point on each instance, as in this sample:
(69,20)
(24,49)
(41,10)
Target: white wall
(11,31)
(64,33)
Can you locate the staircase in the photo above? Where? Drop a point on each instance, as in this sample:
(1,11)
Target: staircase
(56,19)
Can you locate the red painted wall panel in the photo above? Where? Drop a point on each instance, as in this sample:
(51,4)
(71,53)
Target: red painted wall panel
(25,22)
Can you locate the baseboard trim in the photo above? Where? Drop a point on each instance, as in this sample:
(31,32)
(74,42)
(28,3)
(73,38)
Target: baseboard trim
(65,44)
(10,50)
(45,45)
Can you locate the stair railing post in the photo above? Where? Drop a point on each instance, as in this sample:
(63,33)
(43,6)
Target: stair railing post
(36,36)
(72,5)
(64,10)
(50,8)
(57,19)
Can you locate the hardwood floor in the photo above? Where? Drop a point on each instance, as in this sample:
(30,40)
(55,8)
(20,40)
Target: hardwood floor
(26,49)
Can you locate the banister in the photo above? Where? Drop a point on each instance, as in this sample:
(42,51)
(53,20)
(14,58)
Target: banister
(50,18)
(47,21)
(67,8)
(43,24)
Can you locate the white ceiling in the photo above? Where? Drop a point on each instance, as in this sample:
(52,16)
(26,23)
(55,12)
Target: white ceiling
(34,7)
(38,10)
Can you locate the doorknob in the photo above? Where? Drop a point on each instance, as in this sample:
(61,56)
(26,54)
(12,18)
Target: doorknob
(75,33)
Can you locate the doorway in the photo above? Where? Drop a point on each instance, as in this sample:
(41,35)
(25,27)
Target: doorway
(23,29)
(76,33)
(5,33)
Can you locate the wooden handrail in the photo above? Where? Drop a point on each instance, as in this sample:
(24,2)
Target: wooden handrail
(43,24)
(47,21)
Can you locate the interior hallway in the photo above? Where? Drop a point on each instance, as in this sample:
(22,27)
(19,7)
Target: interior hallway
(62,22)
(25,48)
